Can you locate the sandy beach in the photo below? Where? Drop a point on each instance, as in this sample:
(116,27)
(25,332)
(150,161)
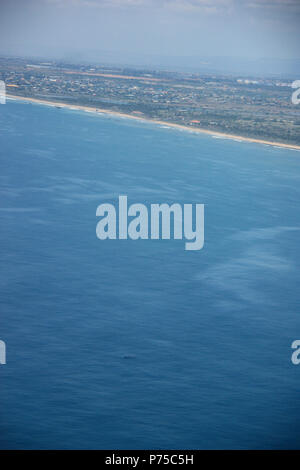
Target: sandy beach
(162,123)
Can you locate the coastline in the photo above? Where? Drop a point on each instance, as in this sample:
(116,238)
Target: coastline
(215,134)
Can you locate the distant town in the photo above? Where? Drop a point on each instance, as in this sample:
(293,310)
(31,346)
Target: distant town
(250,107)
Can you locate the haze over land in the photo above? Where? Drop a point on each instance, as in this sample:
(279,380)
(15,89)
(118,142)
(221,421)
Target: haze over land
(201,35)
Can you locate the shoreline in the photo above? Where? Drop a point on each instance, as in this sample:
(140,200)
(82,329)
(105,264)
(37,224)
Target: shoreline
(95,109)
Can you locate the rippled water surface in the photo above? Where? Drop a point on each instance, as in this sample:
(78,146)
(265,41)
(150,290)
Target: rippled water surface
(141,344)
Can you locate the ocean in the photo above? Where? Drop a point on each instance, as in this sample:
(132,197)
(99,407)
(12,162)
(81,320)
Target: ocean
(132,344)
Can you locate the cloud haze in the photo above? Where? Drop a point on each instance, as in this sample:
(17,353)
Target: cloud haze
(123,29)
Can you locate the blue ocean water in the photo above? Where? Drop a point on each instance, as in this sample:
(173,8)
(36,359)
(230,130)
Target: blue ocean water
(141,344)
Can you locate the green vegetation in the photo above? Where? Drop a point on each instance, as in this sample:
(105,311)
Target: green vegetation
(252,107)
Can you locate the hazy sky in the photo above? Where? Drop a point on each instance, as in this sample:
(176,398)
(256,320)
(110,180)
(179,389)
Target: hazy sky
(95,29)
